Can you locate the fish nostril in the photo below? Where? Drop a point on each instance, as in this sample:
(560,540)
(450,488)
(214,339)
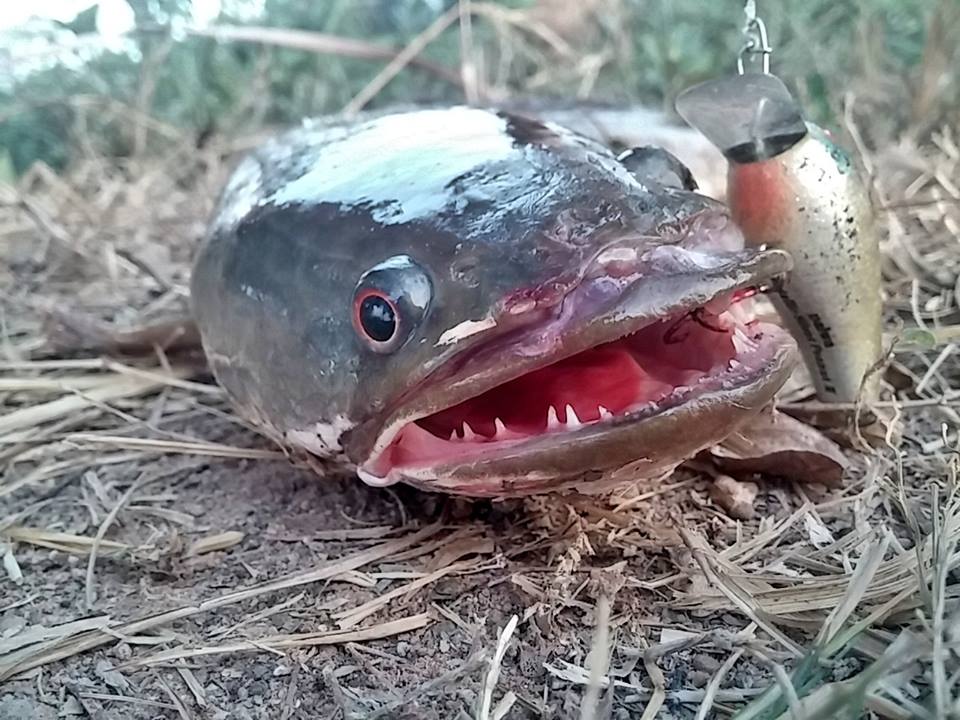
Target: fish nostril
(712,231)
(465,271)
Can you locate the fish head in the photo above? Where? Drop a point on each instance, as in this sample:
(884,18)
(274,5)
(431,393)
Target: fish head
(480,303)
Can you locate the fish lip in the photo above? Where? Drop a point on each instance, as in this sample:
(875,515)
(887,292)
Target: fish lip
(635,306)
(516,471)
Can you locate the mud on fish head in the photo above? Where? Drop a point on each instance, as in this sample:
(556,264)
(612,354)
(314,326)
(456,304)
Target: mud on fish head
(482,304)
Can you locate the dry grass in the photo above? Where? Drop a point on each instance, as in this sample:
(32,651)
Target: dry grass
(814,583)
(827,601)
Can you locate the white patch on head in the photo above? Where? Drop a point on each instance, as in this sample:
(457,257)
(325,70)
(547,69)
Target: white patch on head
(465,329)
(323,439)
(373,158)
(241,195)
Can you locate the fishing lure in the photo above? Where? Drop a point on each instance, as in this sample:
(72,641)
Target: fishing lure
(792,187)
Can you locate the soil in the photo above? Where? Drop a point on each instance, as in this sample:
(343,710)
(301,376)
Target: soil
(555,563)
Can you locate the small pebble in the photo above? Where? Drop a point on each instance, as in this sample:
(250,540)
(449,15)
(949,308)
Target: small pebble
(70,707)
(122,651)
(845,668)
(11,624)
(698,678)
(706,663)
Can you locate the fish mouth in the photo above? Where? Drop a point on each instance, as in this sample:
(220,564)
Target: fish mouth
(645,344)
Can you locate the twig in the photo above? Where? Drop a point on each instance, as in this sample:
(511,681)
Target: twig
(73,643)
(597,660)
(339,696)
(735,594)
(277,643)
(468,66)
(473,663)
(288,700)
(710,692)
(348,618)
(319,43)
(403,58)
(493,674)
(652,710)
(51,229)
(175,699)
(105,525)
(208,449)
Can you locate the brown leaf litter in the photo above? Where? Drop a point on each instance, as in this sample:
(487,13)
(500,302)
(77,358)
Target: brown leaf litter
(148,535)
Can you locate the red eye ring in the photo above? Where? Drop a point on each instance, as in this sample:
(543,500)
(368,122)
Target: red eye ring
(376,319)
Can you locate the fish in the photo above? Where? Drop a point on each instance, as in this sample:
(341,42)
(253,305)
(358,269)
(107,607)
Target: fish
(791,186)
(477,302)
(623,129)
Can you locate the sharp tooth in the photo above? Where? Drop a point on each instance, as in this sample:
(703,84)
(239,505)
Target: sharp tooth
(572,419)
(498,427)
(453,435)
(605,414)
(553,422)
(735,364)
(468,433)
(741,343)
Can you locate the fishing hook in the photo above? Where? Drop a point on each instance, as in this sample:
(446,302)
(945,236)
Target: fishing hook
(755,40)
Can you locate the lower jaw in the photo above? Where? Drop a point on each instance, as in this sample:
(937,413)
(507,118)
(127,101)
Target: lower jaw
(599,456)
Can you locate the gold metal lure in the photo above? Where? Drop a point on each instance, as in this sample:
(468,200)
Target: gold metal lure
(790,186)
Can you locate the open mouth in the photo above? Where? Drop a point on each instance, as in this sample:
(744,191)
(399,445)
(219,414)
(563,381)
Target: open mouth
(685,357)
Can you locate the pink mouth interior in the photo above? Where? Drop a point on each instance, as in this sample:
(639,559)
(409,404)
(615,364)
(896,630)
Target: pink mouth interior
(650,368)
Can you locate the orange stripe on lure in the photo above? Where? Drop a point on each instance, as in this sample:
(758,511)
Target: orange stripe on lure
(790,186)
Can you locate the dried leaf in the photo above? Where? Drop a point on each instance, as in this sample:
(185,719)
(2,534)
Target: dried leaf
(734,496)
(12,567)
(670,635)
(113,678)
(799,386)
(818,533)
(917,339)
(71,707)
(461,548)
(774,443)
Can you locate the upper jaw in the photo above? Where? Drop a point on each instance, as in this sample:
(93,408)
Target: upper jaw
(620,291)
(598,456)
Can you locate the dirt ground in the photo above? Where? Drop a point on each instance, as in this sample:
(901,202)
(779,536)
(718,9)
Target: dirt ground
(163,561)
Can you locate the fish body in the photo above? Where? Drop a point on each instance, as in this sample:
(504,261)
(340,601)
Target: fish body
(790,186)
(625,128)
(480,303)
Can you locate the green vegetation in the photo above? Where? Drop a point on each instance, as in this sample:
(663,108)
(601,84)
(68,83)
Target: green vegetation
(611,50)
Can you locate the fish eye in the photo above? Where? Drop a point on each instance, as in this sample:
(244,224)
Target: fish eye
(389,302)
(377,317)
(654,164)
